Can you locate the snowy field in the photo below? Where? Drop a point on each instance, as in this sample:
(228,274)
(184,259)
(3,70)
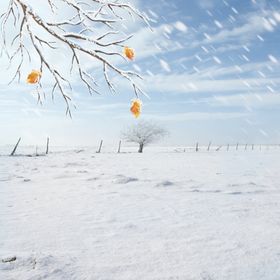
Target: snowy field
(158,215)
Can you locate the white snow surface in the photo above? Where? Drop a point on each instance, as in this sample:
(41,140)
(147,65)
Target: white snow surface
(163,214)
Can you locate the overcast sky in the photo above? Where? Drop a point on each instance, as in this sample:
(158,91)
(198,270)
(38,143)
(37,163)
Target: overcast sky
(211,69)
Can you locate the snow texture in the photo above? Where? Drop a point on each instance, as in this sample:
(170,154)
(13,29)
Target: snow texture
(164,214)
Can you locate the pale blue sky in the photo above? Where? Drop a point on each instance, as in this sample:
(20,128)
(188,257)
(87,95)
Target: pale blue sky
(211,69)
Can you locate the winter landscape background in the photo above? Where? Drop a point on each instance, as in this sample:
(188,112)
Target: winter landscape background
(211,71)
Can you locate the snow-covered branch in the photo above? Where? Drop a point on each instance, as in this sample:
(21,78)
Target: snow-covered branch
(79,32)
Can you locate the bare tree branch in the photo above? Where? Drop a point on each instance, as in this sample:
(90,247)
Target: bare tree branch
(79,33)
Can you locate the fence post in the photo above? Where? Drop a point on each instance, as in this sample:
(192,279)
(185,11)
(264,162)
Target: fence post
(15,148)
(209,145)
(100,146)
(119,149)
(218,149)
(47,149)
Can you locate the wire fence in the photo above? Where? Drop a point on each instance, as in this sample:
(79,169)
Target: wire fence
(123,147)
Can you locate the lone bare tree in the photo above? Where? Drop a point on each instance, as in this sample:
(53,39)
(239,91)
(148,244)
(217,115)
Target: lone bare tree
(144,133)
(90,31)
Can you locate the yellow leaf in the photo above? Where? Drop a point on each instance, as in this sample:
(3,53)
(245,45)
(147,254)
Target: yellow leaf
(129,53)
(33,77)
(135,108)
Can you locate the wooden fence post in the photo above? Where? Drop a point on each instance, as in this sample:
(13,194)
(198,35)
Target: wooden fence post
(218,149)
(100,146)
(47,149)
(15,148)
(209,145)
(119,149)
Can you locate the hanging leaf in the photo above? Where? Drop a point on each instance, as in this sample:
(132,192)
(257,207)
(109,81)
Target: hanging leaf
(136,107)
(33,77)
(129,53)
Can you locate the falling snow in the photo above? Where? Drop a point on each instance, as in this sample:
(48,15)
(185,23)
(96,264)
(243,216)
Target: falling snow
(218,24)
(181,26)
(216,59)
(164,65)
(273,58)
(267,25)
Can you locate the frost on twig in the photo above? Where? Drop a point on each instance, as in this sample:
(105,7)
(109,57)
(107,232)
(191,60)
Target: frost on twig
(89,30)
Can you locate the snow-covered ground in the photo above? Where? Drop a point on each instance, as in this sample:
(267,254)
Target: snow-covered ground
(158,215)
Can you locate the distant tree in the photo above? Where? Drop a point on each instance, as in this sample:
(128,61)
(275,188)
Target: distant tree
(144,133)
(88,31)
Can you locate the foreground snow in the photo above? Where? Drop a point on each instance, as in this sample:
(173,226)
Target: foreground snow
(82,215)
